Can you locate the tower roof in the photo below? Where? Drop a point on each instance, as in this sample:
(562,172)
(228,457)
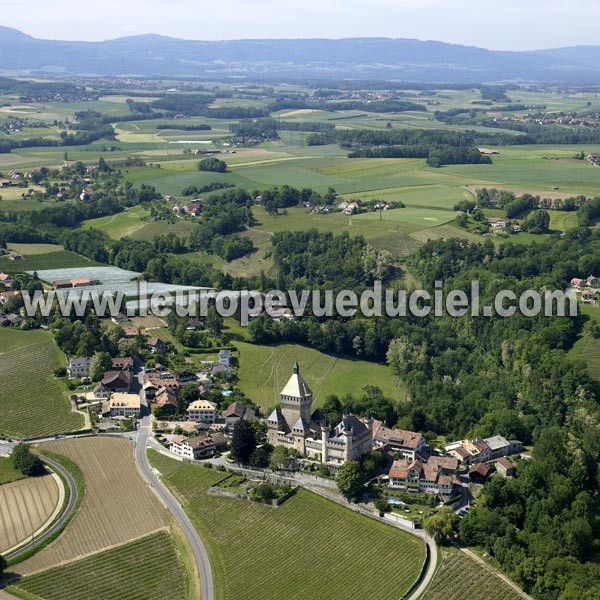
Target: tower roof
(296,387)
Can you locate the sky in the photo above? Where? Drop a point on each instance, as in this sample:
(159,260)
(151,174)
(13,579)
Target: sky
(500,25)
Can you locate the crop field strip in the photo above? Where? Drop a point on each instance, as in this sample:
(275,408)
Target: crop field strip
(146,569)
(117,506)
(25,506)
(320,547)
(591,355)
(460,577)
(31,402)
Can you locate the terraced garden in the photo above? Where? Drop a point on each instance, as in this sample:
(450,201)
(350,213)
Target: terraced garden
(147,569)
(307,548)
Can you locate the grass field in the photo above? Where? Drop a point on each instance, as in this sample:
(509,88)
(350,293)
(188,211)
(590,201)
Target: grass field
(460,577)
(31,402)
(34,249)
(8,473)
(264,370)
(117,507)
(146,569)
(122,224)
(57,259)
(26,505)
(309,547)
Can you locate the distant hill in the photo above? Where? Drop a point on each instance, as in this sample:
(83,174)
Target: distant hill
(360,58)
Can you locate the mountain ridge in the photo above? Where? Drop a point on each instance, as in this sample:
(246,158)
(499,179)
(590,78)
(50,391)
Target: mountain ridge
(154,55)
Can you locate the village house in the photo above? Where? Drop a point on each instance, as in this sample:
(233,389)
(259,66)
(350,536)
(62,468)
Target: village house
(124,363)
(237,411)
(588,297)
(504,467)
(500,446)
(6,296)
(483,450)
(6,280)
(156,346)
(117,381)
(297,427)
(131,331)
(79,367)
(194,447)
(576,283)
(469,451)
(592,281)
(479,473)
(437,475)
(125,405)
(409,444)
(202,410)
(167,397)
(500,223)
(225,358)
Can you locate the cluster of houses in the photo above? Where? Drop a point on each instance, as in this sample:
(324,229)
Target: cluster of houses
(192,209)
(589,288)
(421,472)
(8,319)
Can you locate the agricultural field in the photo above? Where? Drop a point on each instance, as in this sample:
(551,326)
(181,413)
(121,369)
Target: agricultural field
(460,577)
(34,249)
(146,569)
(122,224)
(101,522)
(320,546)
(26,506)
(32,403)
(56,259)
(264,370)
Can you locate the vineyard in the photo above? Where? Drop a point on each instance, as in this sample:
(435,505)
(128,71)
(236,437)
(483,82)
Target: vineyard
(61,259)
(26,505)
(147,569)
(32,403)
(591,355)
(460,577)
(316,547)
(117,506)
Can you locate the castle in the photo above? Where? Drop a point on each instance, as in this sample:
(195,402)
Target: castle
(296,426)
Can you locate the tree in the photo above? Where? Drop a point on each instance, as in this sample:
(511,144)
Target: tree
(441,525)
(260,457)
(3,565)
(381,505)
(537,222)
(243,441)
(26,462)
(214,321)
(350,480)
(279,457)
(212,164)
(101,363)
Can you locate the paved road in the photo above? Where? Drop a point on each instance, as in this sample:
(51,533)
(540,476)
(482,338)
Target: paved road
(64,517)
(202,560)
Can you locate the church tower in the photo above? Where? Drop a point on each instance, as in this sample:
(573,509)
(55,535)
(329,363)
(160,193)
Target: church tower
(296,402)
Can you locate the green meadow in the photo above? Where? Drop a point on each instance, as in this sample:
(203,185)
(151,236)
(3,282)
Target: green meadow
(264,371)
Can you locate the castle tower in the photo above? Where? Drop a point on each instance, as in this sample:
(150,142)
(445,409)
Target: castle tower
(296,402)
(348,436)
(325,431)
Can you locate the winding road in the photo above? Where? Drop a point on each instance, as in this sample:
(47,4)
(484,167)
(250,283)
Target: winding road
(200,553)
(62,520)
